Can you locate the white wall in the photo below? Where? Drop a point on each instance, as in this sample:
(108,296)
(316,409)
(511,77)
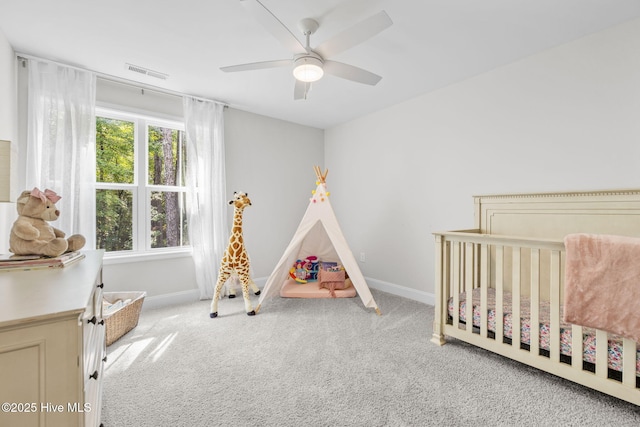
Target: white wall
(565,119)
(270,159)
(8,127)
(273,161)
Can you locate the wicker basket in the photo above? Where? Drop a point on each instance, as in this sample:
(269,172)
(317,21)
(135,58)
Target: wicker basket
(124,319)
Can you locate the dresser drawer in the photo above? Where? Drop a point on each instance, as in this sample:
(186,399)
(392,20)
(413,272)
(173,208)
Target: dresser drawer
(93,399)
(93,346)
(97,296)
(93,332)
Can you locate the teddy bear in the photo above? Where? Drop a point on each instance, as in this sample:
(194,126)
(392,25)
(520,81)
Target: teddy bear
(32,235)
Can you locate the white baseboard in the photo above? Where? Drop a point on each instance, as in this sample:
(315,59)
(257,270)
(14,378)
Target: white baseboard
(260,282)
(181,297)
(193,295)
(391,288)
(164,300)
(401,291)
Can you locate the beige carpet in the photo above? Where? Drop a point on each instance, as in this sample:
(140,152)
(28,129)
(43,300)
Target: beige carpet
(329,363)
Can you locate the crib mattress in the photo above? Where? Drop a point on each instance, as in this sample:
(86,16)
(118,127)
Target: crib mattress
(589,339)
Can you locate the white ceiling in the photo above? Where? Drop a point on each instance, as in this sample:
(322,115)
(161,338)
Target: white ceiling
(432,44)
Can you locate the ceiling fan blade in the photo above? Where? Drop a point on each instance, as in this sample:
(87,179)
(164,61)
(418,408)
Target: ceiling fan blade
(273,25)
(350,72)
(257,65)
(355,35)
(300,90)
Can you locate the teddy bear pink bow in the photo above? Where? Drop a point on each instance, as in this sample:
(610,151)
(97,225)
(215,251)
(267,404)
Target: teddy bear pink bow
(46,194)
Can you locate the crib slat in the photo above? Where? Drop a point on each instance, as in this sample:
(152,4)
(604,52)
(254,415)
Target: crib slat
(468,284)
(484,283)
(446,276)
(534,343)
(602,353)
(629,355)
(554,302)
(515,293)
(455,280)
(499,289)
(576,347)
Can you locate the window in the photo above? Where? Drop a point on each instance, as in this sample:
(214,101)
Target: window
(140,184)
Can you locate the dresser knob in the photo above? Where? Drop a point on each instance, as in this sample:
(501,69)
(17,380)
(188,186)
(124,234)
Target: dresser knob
(94,375)
(101,322)
(101,285)
(92,320)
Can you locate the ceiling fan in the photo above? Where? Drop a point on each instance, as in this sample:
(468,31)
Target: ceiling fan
(309,65)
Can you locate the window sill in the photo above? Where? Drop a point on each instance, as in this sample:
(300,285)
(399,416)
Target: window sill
(122,258)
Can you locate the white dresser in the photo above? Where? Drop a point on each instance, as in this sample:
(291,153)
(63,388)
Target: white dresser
(52,345)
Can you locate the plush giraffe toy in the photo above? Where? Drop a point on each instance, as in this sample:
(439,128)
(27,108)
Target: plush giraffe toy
(235,258)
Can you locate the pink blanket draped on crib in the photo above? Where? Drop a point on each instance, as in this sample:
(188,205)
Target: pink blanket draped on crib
(602,283)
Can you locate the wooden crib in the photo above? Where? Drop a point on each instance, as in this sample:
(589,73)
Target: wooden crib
(511,267)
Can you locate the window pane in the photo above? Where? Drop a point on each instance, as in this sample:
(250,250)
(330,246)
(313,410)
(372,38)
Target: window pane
(168,219)
(114,151)
(167,154)
(114,220)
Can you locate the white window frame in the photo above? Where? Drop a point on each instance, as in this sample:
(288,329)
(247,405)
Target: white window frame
(141,189)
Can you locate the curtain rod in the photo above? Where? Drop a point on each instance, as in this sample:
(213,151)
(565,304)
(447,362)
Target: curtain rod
(123,81)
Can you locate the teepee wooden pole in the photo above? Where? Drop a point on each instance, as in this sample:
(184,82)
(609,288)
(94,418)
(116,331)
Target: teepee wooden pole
(321,177)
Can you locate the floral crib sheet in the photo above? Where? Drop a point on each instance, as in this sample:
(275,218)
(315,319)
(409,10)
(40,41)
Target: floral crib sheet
(589,338)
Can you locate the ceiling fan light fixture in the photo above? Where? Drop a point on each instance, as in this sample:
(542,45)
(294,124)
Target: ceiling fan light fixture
(308,69)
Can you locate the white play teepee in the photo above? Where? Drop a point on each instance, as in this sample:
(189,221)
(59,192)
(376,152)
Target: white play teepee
(318,234)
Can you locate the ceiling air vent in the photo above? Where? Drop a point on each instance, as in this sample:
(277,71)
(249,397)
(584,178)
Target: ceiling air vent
(147,72)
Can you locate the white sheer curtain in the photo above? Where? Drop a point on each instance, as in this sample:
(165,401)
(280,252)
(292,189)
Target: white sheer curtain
(207,208)
(60,152)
